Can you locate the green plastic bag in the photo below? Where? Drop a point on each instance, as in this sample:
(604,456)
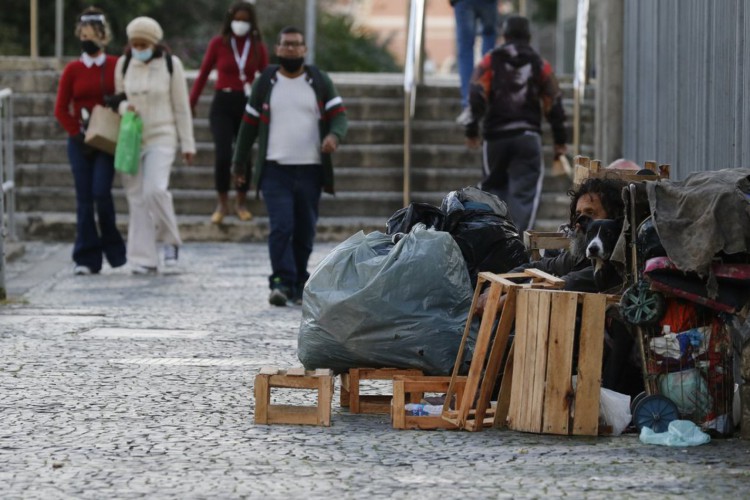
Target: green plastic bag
(128,152)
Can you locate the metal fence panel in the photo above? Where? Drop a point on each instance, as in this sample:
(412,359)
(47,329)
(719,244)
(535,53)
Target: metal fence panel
(686,96)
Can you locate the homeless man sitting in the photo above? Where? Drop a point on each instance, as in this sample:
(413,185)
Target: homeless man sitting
(596,199)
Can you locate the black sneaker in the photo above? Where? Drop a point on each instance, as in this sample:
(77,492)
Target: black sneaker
(280,293)
(278,297)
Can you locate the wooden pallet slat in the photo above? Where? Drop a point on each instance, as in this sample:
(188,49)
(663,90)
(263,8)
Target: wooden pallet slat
(586,419)
(558,394)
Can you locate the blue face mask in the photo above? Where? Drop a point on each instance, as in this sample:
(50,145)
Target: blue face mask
(142,55)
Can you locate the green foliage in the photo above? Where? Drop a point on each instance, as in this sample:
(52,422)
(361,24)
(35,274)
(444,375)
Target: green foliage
(188,26)
(341,47)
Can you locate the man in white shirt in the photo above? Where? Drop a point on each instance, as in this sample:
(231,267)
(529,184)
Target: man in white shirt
(298,119)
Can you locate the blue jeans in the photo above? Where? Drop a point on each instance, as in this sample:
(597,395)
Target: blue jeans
(93,173)
(468,13)
(291,194)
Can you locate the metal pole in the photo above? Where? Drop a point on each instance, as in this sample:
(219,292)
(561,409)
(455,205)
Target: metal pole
(310,20)
(34,29)
(579,76)
(59,30)
(3,294)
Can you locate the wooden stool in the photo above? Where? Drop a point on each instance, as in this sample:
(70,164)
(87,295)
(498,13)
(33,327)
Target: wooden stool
(541,396)
(368,403)
(415,387)
(294,378)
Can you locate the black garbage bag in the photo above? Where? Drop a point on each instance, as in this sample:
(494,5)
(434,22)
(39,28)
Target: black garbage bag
(404,309)
(405,218)
(479,222)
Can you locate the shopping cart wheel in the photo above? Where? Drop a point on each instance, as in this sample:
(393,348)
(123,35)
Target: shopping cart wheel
(637,400)
(655,412)
(642,306)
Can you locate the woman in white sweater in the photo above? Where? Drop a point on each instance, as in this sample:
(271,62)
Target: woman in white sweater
(154,85)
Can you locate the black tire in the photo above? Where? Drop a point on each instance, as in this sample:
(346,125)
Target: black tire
(641,306)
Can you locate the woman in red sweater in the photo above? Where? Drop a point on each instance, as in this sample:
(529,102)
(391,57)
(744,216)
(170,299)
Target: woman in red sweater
(83,85)
(238,53)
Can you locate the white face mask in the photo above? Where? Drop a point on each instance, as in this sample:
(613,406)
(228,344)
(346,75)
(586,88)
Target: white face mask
(240,28)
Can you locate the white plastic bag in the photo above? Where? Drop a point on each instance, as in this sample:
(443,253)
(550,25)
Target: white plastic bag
(679,433)
(614,407)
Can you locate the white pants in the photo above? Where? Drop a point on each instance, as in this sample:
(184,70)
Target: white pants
(152,216)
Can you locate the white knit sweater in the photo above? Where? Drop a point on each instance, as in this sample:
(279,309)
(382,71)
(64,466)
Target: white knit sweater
(160,99)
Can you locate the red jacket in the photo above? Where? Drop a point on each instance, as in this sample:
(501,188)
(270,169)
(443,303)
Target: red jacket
(81,87)
(219,55)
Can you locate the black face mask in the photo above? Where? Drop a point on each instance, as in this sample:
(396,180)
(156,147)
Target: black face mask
(291,65)
(90,47)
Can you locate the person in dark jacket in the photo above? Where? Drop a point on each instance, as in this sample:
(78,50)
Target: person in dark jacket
(512,87)
(298,119)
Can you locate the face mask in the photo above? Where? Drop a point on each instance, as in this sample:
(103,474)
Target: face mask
(291,64)
(90,47)
(142,55)
(240,28)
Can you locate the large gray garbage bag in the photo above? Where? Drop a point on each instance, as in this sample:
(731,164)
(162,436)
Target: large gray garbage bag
(371,303)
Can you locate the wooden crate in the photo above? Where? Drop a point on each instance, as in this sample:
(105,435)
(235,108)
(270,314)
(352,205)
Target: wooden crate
(473,411)
(541,395)
(544,240)
(320,380)
(585,168)
(366,403)
(414,388)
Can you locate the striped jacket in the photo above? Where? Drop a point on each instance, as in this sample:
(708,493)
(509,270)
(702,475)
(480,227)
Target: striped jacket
(256,119)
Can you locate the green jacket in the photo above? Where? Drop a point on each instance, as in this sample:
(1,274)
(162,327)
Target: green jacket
(257,116)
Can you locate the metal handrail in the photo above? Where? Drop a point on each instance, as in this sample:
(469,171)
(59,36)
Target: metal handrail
(413,73)
(7,176)
(579,76)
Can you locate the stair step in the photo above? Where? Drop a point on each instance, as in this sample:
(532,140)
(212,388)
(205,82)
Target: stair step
(61,226)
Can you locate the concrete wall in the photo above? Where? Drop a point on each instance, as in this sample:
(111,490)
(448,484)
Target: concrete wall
(686,87)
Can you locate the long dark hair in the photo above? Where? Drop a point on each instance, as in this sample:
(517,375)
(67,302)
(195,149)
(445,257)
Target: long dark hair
(609,192)
(226,28)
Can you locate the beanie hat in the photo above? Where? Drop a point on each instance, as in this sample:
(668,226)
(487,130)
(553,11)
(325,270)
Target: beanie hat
(145,28)
(516,28)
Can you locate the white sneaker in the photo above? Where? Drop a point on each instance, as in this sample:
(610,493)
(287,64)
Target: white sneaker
(171,254)
(82,271)
(465,117)
(143,270)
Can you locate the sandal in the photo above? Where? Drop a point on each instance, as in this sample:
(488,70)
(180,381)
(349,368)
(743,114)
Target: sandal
(217,217)
(244,214)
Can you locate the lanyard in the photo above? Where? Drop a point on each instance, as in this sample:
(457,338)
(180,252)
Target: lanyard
(241,60)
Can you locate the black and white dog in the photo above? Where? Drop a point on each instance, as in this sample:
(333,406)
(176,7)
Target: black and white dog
(601,238)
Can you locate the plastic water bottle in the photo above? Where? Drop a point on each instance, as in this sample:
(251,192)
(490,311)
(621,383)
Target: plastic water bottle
(421,410)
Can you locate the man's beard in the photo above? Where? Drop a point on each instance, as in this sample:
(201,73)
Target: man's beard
(578,245)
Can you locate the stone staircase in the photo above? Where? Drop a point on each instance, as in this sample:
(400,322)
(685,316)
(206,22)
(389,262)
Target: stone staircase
(368,165)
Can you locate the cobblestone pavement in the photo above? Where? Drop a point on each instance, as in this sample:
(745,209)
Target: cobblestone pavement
(120,386)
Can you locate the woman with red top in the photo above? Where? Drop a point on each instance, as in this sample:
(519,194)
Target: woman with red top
(237,54)
(83,85)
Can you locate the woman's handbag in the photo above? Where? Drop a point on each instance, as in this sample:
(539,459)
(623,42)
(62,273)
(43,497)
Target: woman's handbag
(128,153)
(103,129)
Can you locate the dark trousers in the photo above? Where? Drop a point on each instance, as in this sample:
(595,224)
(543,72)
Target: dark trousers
(513,172)
(291,194)
(93,173)
(225,119)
